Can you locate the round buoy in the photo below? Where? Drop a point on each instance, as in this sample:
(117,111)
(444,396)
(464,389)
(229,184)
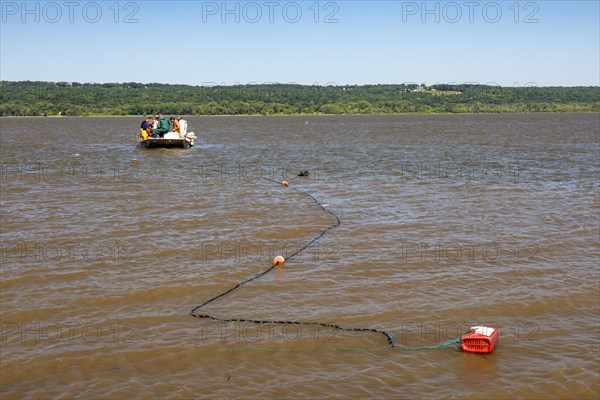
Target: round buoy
(279,260)
(285,184)
(134,160)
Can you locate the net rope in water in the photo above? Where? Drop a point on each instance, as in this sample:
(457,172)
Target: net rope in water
(335,224)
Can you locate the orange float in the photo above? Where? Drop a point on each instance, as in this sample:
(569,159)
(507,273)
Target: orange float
(279,260)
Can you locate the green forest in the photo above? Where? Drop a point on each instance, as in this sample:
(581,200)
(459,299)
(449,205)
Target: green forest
(27,98)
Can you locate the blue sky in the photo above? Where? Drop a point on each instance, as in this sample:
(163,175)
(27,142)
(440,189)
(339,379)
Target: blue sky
(509,43)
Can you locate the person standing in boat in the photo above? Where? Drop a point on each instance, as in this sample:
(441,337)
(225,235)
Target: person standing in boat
(175,124)
(146,128)
(162,126)
(182,127)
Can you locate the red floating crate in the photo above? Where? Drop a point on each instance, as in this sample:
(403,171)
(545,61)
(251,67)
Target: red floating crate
(479,339)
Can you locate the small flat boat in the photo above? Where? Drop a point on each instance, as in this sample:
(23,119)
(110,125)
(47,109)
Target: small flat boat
(170,140)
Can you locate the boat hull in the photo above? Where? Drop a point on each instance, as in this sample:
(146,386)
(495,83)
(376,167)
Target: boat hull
(161,143)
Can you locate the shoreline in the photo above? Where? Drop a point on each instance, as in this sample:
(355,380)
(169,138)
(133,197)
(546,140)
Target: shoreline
(300,114)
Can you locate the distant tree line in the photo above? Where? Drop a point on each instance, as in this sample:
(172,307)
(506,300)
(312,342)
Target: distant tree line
(27,98)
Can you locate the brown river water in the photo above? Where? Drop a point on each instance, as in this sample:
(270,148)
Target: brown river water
(447,221)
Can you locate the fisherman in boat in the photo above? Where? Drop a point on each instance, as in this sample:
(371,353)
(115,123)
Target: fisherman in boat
(175,124)
(162,126)
(182,127)
(146,128)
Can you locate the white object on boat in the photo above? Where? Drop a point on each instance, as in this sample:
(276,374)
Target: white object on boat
(171,135)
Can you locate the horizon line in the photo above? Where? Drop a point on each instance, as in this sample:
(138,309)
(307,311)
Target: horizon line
(530,84)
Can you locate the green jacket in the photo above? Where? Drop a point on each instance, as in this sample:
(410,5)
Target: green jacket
(163,124)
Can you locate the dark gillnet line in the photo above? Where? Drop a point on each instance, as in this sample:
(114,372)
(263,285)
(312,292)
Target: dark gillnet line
(252,278)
